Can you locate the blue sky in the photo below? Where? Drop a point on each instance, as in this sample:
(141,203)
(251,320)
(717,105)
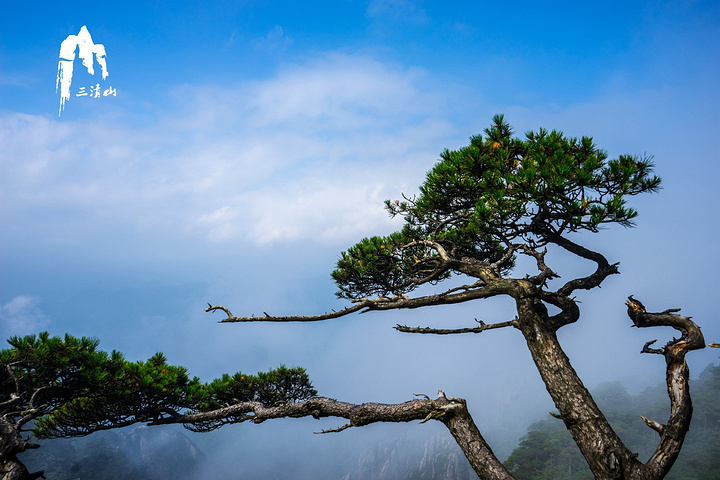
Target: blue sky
(249,143)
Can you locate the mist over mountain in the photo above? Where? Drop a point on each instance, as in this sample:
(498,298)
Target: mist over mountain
(288,450)
(438,458)
(139,453)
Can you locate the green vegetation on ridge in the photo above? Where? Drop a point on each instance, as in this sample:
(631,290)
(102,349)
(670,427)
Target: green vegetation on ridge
(548,452)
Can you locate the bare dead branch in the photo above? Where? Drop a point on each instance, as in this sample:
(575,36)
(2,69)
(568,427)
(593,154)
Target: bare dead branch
(15,379)
(336,430)
(292,318)
(691,335)
(646,348)
(546,273)
(484,290)
(451,331)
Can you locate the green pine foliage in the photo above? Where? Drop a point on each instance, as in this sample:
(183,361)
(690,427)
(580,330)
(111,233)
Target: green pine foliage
(381,266)
(548,451)
(71,388)
(497,190)
(269,388)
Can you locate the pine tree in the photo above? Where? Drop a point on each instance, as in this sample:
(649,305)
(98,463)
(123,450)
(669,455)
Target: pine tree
(478,210)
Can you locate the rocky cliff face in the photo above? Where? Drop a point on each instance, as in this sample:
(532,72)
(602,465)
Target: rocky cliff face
(438,458)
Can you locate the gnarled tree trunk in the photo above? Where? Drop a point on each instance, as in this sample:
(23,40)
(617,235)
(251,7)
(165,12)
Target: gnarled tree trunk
(12,444)
(605,453)
(607,456)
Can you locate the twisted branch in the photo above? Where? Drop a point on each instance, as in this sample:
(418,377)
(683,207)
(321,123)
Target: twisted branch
(546,273)
(604,268)
(672,434)
(316,407)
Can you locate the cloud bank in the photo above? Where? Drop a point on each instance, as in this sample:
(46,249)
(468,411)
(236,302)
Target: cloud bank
(310,153)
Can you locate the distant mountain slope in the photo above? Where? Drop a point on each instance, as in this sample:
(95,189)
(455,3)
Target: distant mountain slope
(141,453)
(548,452)
(439,458)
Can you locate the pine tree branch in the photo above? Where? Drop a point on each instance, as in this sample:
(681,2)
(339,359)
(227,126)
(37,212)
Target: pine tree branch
(450,331)
(604,269)
(546,273)
(481,289)
(449,410)
(317,407)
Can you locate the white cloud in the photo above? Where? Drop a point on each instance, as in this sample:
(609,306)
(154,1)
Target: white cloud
(309,153)
(331,93)
(22,316)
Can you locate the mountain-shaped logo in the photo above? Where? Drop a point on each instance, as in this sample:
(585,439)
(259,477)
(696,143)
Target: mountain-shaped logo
(89,53)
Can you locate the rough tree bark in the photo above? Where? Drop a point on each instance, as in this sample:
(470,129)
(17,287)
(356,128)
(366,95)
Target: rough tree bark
(12,444)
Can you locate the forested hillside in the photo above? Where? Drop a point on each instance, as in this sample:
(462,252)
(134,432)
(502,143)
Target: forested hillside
(548,452)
